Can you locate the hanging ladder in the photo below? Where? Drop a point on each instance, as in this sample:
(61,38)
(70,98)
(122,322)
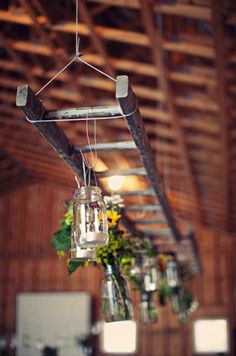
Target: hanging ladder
(127,105)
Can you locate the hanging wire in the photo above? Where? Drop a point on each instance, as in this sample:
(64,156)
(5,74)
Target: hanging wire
(77,55)
(94,156)
(77,181)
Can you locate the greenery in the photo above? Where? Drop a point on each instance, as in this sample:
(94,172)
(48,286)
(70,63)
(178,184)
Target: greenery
(118,250)
(122,251)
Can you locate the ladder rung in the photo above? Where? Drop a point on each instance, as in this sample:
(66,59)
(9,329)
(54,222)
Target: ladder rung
(159,232)
(111,146)
(160,220)
(145,192)
(144,208)
(84,113)
(122,172)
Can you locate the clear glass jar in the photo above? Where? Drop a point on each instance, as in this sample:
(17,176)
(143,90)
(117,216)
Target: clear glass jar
(176,300)
(151,275)
(89,217)
(147,309)
(116,302)
(146,268)
(172,272)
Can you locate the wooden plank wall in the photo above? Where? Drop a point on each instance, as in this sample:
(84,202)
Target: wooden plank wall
(28,218)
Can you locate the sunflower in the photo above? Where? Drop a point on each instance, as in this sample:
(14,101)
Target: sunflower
(112,217)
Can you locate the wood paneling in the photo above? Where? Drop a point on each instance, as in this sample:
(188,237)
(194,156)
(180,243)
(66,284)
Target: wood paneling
(28,218)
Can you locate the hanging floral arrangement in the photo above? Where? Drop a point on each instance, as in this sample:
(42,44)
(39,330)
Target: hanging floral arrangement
(174,276)
(115,256)
(126,257)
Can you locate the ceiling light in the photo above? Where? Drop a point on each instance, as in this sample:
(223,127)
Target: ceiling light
(116,182)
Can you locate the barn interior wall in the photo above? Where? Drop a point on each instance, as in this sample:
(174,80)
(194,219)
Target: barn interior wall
(31,214)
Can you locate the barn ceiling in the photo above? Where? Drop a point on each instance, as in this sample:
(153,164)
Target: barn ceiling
(180,57)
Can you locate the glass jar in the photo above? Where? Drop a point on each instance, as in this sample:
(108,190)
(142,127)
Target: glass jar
(116,302)
(151,276)
(145,268)
(172,272)
(89,217)
(176,300)
(147,309)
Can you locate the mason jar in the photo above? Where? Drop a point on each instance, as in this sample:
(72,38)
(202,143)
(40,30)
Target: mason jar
(89,217)
(145,268)
(147,309)
(116,302)
(172,272)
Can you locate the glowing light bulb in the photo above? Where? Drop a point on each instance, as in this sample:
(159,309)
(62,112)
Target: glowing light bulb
(115,182)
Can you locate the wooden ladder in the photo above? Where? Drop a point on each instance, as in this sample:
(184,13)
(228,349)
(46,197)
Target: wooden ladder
(127,105)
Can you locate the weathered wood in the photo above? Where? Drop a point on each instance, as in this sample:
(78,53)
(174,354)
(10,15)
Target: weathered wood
(122,172)
(34,110)
(129,106)
(98,112)
(112,146)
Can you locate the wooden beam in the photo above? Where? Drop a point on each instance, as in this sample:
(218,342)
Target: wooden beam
(29,9)
(136,38)
(176,9)
(158,60)
(113,34)
(129,106)
(221,100)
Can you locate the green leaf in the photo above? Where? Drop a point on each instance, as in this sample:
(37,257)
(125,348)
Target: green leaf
(73,265)
(61,239)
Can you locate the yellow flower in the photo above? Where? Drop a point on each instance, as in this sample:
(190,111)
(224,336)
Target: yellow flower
(113,217)
(61,253)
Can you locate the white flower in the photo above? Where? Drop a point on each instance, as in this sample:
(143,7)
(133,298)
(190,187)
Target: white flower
(115,199)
